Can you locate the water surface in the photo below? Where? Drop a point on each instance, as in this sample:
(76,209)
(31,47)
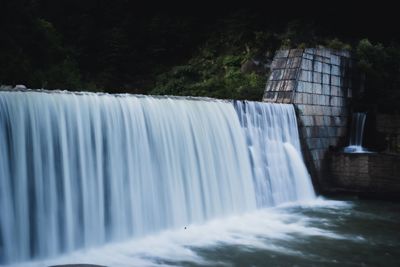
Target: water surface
(316,233)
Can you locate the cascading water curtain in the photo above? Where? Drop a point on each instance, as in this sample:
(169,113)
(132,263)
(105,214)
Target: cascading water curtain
(80,170)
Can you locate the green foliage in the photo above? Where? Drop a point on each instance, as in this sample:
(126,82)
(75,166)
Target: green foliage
(337,44)
(64,75)
(216,71)
(381,66)
(37,57)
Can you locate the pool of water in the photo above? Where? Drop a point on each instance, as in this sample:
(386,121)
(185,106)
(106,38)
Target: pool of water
(346,232)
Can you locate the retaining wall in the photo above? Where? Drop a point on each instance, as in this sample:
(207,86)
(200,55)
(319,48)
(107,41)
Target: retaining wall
(370,174)
(318,83)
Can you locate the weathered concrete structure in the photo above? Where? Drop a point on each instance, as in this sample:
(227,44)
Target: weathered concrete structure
(372,174)
(317,82)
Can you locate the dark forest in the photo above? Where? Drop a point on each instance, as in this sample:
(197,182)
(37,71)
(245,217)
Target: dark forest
(200,50)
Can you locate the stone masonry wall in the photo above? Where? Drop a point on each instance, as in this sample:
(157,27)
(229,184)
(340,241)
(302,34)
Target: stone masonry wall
(370,173)
(317,82)
(389,127)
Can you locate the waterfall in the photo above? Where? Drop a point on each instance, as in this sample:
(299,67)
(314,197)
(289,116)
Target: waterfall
(357,133)
(78,170)
(274,150)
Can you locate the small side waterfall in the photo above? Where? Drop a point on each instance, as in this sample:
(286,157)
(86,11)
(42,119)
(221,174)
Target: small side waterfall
(357,133)
(80,170)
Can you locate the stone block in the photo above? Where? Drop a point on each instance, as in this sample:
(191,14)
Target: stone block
(293,62)
(321,110)
(319,52)
(323,100)
(306,76)
(310,99)
(335,80)
(325,78)
(273,86)
(319,120)
(310,51)
(287,85)
(296,52)
(335,70)
(326,101)
(285,97)
(309,88)
(277,74)
(270,96)
(328,120)
(320,101)
(308,56)
(317,66)
(307,120)
(314,99)
(335,60)
(326,89)
(327,53)
(332,101)
(290,74)
(317,88)
(317,77)
(282,53)
(307,99)
(301,86)
(326,60)
(336,91)
(306,64)
(298,98)
(318,58)
(278,63)
(326,68)
(332,131)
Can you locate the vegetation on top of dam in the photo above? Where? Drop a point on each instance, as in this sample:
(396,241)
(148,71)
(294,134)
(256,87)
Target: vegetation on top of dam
(215,52)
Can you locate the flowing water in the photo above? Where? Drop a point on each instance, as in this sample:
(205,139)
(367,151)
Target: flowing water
(78,171)
(142,181)
(315,233)
(357,134)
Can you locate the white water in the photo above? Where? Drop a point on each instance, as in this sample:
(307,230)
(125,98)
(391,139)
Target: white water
(274,149)
(81,170)
(266,229)
(357,134)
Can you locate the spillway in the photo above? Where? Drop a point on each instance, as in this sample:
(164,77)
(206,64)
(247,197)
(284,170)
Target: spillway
(79,170)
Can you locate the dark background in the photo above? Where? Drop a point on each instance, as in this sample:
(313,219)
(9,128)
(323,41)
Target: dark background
(174,48)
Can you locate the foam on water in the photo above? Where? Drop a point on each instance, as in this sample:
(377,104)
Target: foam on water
(264,229)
